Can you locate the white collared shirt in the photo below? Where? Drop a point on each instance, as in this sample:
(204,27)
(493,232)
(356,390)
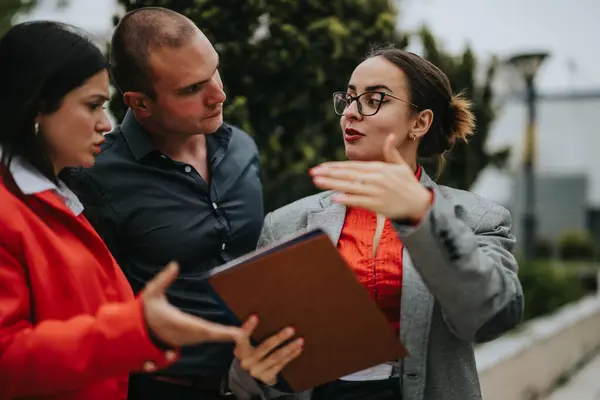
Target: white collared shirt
(31,181)
(376,373)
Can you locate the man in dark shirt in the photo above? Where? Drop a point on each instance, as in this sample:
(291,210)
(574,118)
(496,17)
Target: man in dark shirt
(173,182)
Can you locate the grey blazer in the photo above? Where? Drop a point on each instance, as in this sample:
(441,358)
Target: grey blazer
(460,287)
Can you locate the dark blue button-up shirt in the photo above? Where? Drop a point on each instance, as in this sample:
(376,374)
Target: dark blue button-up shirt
(150,209)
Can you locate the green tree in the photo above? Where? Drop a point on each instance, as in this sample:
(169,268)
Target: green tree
(465,161)
(9,9)
(280,62)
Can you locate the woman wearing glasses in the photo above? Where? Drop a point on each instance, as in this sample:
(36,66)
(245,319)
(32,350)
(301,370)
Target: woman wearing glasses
(436,260)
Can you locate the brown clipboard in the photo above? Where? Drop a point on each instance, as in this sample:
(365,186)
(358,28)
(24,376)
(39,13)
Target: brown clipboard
(304,282)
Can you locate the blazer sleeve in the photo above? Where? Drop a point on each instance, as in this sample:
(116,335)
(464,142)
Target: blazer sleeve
(56,356)
(471,273)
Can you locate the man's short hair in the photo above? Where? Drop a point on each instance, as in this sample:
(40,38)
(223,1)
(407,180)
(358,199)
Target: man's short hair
(135,36)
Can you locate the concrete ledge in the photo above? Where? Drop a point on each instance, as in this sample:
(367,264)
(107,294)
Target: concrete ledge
(527,363)
(583,385)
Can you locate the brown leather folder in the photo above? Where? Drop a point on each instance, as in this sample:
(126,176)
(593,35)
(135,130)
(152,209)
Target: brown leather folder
(304,282)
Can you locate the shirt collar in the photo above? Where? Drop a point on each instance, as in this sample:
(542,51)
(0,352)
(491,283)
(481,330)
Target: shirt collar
(136,137)
(30,181)
(28,178)
(418,172)
(141,145)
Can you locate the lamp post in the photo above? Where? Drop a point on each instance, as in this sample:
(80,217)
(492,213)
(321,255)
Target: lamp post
(527,66)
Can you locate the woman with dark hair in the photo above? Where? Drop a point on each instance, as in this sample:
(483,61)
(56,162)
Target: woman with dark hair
(436,260)
(70,326)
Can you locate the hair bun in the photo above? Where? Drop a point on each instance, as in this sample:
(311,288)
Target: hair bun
(463,123)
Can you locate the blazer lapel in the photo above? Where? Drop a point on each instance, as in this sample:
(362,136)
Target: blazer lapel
(330,218)
(426,180)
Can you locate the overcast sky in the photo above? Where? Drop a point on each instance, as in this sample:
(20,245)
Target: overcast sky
(566,28)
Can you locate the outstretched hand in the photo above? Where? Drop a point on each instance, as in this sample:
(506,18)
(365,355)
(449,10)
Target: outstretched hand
(173,326)
(389,188)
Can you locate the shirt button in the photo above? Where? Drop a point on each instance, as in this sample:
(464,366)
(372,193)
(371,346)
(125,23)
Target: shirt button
(187,168)
(214,205)
(149,366)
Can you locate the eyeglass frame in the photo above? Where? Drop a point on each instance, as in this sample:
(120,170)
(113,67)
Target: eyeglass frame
(359,106)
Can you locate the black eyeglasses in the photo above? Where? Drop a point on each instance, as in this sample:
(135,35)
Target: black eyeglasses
(368,103)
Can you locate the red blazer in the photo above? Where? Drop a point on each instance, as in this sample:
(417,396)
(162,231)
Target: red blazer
(70,327)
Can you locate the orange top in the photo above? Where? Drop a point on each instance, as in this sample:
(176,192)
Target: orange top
(380,274)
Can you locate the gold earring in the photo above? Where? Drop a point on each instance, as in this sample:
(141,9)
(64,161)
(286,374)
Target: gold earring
(414,138)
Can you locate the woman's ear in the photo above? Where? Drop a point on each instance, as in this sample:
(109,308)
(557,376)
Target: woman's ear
(422,123)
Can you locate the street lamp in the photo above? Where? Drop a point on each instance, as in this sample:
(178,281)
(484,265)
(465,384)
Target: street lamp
(527,65)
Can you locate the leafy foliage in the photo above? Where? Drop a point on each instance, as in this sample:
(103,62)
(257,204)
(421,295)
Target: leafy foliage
(280,62)
(9,9)
(576,245)
(466,161)
(546,287)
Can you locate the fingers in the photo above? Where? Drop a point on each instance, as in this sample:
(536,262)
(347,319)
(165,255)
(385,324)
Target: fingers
(347,180)
(354,166)
(347,174)
(391,154)
(366,202)
(188,329)
(214,332)
(256,361)
(162,280)
(250,325)
(267,346)
(339,185)
(268,369)
(243,349)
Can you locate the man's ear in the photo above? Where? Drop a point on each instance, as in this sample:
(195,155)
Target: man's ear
(138,102)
